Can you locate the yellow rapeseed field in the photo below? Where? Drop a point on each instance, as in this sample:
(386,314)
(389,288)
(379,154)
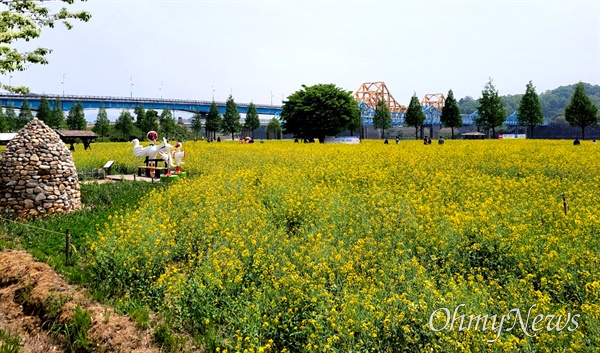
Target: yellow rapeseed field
(283,247)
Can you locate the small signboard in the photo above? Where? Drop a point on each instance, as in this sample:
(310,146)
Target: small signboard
(512,136)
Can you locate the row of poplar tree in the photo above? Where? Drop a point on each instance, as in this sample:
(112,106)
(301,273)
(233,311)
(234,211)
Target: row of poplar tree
(127,128)
(580,112)
(54,117)
(229,122)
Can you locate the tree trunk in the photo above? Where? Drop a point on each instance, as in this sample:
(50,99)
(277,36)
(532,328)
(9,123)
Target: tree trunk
(582,133)
(452,132)
(416,132)
(493,132)
(232,139)
(532,127)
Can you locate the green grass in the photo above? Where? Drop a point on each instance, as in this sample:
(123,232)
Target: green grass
(9,343)
(44,237)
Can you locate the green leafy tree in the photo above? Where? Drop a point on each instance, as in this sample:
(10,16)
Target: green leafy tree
(151,122)
(24,20)
(25,115)
(145,121)
(3,122)
(451,113)
(354,123)
(491,111)
(382,119)
(76,117)
(181,133)
(44,113)
(167,123)
(213,121)
(231,119)
(124,127)
(58,116)
(581,111)
(467,105)
(530,109)
(102,124)
(252,121)
(11,118)
(140,116)
(196,124)
(414,115)
(318,111)
(273,127)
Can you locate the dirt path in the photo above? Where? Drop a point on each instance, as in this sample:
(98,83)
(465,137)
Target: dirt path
(29,293)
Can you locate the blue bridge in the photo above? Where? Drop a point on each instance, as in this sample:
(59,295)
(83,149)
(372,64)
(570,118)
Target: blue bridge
(94,102)
(432,116)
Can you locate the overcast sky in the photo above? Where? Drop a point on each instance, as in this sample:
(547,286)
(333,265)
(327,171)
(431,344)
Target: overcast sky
(182,49)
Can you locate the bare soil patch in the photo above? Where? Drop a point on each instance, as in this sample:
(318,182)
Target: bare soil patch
(30,289)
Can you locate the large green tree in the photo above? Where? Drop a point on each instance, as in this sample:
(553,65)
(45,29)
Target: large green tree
(252,121)
(467,105)
(318,111)
(274,127)
(76,117)
(414,115)
(167,124)
(140,115)
(491,111)
(196,124)
(11,118)
(23,20)
(124,127)
(382,119)
(3,122)
(213,121)
(25,115)
(58,116)
(102,124)
(151,123)
(451,113)
(145,121)
(530,109)
(231,119)
(581,111)
(44,113)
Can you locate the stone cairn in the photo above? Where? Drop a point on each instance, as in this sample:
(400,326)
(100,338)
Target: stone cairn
(37,173)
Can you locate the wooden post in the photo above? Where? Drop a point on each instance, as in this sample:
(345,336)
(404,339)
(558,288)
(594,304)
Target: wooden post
(67,247)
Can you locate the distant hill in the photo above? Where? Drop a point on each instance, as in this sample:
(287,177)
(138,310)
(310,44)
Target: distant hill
(553,101)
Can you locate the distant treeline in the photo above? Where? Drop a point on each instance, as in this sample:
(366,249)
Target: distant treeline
(553,101)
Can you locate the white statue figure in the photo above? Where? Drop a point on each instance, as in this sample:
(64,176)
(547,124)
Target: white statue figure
(151,152)
(178,155)
(165,153)
(148,151)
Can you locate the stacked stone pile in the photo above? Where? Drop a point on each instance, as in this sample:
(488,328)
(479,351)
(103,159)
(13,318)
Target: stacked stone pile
(37,173)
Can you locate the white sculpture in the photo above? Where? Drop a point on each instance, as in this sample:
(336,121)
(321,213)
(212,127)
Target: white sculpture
(148,151)
(165,153)
(178,155)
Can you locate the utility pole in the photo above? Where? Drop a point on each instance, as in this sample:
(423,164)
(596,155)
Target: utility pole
(63,83)
(131,86)
(271,96)
(161,85)
(213,92)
